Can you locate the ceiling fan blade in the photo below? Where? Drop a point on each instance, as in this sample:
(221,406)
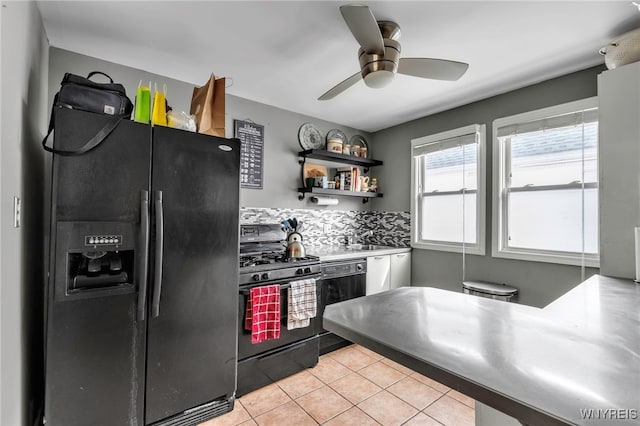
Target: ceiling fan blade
(364,27)
(341,87)
(437,69)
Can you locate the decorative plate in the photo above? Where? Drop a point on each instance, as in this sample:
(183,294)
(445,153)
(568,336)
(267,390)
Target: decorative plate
(359,140)
(310,137)
(336,134)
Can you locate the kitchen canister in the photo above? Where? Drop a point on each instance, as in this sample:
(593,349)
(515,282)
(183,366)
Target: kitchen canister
(334,145)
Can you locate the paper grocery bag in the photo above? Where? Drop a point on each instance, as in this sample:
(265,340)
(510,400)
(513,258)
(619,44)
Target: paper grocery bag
(208,106)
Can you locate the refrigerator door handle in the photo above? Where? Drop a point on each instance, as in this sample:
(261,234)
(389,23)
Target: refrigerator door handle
(157,285)
(144,247)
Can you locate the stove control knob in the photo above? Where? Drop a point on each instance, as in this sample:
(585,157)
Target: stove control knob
(299,271)
(255,277)
(265,276)
(359,267)
(307,270)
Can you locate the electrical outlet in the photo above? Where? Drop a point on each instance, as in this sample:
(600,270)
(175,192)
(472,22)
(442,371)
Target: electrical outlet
(326,228)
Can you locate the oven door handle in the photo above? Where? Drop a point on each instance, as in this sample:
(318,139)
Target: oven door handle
(246,291)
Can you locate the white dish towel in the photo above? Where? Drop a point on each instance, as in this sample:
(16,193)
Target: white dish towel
(302,303)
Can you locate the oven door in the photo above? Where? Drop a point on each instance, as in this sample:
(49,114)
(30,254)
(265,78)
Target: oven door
(247,349)
(343,288)
(338,289)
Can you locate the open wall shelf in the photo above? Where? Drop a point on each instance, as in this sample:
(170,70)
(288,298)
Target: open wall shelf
(326,191)
(336,160)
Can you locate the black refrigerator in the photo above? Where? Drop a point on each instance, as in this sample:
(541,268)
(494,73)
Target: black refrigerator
(142,287)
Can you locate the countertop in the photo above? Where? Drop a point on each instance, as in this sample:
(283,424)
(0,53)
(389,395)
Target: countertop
(541,366)
(342,252)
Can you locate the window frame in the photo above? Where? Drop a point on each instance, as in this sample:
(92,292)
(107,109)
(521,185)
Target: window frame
(449,246)
(499,244)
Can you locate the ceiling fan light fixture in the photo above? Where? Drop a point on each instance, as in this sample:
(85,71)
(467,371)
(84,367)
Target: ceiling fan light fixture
(379,70)
(379,54)
(379,79)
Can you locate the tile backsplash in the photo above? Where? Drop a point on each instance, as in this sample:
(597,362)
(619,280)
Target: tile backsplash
(389,228)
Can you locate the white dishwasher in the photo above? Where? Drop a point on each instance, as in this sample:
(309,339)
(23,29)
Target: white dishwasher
(378,274)
(400,270)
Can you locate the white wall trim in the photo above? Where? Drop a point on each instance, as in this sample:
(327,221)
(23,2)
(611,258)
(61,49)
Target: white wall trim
(23,117)
(498,246)
(479,247)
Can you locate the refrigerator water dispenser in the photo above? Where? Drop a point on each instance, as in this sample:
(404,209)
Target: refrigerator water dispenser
(96,269)
(95,259)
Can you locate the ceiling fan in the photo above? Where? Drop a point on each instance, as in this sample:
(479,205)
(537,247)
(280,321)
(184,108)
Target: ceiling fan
(379,54)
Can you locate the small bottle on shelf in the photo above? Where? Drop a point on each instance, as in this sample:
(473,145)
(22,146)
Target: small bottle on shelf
(373,185)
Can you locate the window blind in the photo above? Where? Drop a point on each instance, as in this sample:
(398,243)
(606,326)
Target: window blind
(443,144)
(559,121)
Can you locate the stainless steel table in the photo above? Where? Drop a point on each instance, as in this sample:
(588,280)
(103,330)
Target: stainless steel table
(540,366)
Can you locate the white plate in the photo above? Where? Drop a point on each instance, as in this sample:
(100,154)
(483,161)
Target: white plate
(337,134)
(310,137)
(359,140)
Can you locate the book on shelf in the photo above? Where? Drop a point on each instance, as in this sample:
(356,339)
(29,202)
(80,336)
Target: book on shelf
(349,178)
(342,179)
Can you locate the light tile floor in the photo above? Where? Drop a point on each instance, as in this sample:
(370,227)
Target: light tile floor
(352,386)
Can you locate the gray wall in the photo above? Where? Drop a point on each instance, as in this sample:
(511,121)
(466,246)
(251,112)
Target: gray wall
(282,174)
(539,283)
(23,114)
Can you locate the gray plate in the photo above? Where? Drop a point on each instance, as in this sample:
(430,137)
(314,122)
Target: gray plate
(310,137)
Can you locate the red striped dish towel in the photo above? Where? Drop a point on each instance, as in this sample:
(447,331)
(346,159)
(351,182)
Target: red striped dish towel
(263,313)
(302,303)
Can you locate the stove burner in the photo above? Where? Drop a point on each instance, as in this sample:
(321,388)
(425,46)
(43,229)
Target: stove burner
(300,259)
(259,259)
(271,258)
(244,263)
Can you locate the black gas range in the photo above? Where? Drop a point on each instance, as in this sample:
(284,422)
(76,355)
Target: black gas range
(263,261)
(275,266)
(263,256)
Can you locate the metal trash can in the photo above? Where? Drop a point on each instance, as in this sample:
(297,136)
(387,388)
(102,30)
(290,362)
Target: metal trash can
(490,290)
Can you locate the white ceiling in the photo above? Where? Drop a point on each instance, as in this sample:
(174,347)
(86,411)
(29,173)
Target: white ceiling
(288,53)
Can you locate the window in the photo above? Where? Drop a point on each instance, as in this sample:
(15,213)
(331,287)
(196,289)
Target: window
(447,180)
(545,197)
